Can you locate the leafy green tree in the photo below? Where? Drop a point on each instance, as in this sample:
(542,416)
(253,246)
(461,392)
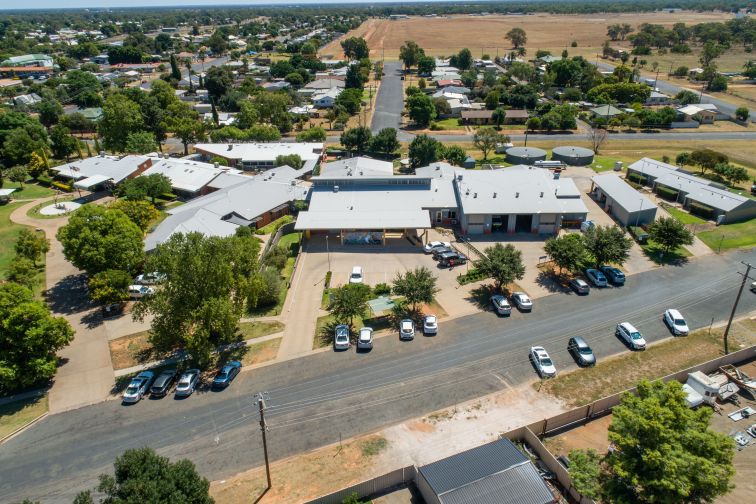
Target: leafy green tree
(295,79)
(464,60)
(20,144)
(62,143)
(670,234)
(30,338)
(517,36)
(501,263)
(186,125)
(274,109)
(354,78)
(665,451)
(742,113)
(417,286)
(293,160)
(410,53)
(142,213)
(31,245)
(567,251)
(218,81)
(686,97)
(355,48)
(120,116)
(50,110)
(17,174)
(424,150)
(23,272)
(141,475)
(262,133)
(356,139)
(455,155)
(350,100)
(140,142)
(349,301)
(109,287)
(486,139)
(607,245)
(683,159)
(585,472)
(534,123)
(707,159)
(314,134)
(499,116)
(175,70)
(426,65)
(421,109)
(146,186)
(97,238)
(384,142)
(83,88)
(200,319)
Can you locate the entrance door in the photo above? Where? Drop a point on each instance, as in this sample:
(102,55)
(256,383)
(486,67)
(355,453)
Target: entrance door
(438,217)
(524,223)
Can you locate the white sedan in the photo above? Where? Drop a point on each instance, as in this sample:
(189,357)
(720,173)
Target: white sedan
(365,339)
(543,363)
(428,248)
(522,301)
(430,324)
(140,291)
(676,322)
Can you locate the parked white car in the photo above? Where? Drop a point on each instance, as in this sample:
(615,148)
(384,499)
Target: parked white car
(428,248)
(430,324)
(676,322)
(140,291)
(501,305)
(341,338)
(356,276)
(365,339)
(522,301)
(631,335)
(150,278)
(407,329)
(543,363)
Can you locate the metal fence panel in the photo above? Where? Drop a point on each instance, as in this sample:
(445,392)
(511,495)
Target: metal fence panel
(370,487)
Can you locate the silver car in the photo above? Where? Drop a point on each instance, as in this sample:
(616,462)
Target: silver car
(522,301)
(501,305)
(430,324)
(187,383)
(341,338)
(406,329)
(365,339)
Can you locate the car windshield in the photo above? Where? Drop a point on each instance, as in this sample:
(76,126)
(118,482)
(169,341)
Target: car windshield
(586,350)
(430,320)
(356,275)
(222,373)
(679,321)
(635,335)
(545,361)
(184,381)
(133,389)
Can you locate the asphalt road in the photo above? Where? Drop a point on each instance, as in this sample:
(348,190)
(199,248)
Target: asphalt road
(672,89)
(316,399)
(390,101)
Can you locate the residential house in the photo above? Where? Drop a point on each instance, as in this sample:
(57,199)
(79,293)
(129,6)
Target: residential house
(326,99)
(606,111)
(102,171)
(698,114)
(27,100)
(29,60)
(257,156)
(657,98)
(478,117)
(189,178)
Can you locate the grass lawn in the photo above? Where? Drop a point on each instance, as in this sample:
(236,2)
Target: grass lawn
(34,211)
(452,123)
(618,373)
(15,415)
(251,330)
(683,216)
(28,191)
(493,158)
(603,163)
(654,252)
(290,241)
(730,236)
(273,226)
(261,352)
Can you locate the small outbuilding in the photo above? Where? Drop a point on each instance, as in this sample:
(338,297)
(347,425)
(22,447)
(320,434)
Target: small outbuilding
(525,155)
(573,156)
(469,162)
(621,201)
(5,194)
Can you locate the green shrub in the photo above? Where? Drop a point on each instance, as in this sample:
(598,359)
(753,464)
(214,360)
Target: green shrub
(636,177)
(273,226)
(327,283)
(639,234)
(382,289)
(62,186)
(471,276)
(666,192)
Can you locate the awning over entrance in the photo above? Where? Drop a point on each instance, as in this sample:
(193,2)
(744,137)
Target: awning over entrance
(405,219)
(91,181)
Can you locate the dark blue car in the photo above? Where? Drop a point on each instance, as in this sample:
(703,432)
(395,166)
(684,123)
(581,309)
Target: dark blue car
(614,275)
(226,374)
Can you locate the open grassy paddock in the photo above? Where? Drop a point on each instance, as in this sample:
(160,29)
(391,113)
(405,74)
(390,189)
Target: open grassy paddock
(443,36)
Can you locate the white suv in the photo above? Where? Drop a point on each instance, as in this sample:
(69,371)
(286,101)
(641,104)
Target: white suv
(543,363)
(406,329)
(676,323)
(356,276)
(631,335)
(430,324)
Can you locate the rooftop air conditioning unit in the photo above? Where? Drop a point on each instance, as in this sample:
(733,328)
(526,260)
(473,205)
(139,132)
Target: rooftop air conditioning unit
(335,188)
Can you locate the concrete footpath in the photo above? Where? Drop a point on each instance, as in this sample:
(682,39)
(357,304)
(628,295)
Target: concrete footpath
(85,375)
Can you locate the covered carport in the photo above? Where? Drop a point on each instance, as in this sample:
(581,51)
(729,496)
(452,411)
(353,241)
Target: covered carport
(363,228)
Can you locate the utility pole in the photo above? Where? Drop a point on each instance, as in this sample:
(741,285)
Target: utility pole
(735,306)
(263,429)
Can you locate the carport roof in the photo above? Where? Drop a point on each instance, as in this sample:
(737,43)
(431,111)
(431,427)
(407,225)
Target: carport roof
(621,193)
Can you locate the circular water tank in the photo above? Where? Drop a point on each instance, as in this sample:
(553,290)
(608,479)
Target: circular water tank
(525,155)
(574,156)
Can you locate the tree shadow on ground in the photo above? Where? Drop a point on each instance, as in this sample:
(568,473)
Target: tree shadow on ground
(481,296)
(552,281)
(69,295)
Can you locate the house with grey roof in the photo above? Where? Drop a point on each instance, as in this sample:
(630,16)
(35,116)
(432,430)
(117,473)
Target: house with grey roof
(698,195)
(102,171)
(256,156)
(606,111)
(189,177)
(618,199)
(493,473)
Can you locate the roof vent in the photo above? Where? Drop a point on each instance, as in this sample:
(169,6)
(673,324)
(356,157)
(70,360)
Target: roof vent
(216,164)
(475,195)
(494,195)
(293,182)
(335,188)
(459,177)
(517,195)
(467,192)
(541,194)
(230,146)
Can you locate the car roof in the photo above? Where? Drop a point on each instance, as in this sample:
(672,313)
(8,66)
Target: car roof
(630,327)
(579,341)
(406,322)
(674,313)
(579,281)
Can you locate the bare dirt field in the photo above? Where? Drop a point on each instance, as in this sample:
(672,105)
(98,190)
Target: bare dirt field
(446,35)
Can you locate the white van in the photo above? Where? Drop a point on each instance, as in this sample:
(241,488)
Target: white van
(356,276)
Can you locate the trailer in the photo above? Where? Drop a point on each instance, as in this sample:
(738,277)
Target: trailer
(739,378)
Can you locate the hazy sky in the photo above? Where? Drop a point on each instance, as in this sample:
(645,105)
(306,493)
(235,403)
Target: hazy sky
(47,4)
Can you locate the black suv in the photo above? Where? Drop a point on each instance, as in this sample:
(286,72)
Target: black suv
(439,251)
(162,383)
(452,259)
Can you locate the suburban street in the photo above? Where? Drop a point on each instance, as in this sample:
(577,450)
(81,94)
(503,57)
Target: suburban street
(390,100)
(319,399)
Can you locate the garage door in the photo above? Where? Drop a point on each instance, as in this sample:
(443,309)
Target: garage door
(546,228)
(475,229)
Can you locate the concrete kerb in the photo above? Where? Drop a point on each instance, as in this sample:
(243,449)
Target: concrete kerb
(23,428)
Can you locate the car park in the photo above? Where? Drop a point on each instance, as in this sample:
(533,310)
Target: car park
(428,248)
(187,383)
(163,383)
(675,322)
(356,275)
(226,375)
(581,351)
(580,286)
(140,291)
(439,251)
(543,363)
(501,305)
(596,277)
(631,336)
(138,387)
(406,329)
(614,275)
(522,301)
(449,259)
(430,324)
(153,278)
(365,339)
(341,337)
